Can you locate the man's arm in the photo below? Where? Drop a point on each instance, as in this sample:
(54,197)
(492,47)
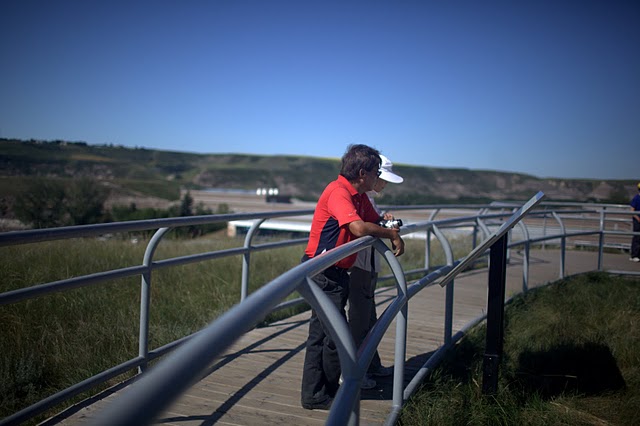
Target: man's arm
(361,228)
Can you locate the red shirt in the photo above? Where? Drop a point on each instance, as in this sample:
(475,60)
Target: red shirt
(338,206)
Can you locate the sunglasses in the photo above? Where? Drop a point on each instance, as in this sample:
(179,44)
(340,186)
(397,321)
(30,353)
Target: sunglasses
(378,172)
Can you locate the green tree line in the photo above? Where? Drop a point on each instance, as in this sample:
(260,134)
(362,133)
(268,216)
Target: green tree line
(48,203)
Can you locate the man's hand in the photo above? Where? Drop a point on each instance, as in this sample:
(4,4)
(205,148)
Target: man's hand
(397,244)
(360,229)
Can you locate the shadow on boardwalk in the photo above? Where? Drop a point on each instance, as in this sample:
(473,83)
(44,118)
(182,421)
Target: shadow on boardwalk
(257,381)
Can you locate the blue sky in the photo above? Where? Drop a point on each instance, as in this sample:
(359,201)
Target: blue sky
(548,88)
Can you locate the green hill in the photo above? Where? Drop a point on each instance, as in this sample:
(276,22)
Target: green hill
(153,173)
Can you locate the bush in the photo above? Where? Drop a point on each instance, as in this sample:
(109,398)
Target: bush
(47,203)
(131,212)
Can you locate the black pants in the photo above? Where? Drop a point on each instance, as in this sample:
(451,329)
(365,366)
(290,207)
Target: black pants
(321,362)
(635,241)
(362,308)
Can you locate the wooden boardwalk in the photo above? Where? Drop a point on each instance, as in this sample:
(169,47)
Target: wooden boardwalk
(257,381)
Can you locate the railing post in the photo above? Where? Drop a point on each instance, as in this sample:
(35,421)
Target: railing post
(474,240)
(563,244)
(601,239)
(448,308)
(448,313)
(145,296)
(525,266)
(246,258)
(402,321)
(495,315)
(427,248)
(525,259)
(544,228)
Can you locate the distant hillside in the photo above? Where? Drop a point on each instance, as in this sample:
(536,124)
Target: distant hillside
(141,172)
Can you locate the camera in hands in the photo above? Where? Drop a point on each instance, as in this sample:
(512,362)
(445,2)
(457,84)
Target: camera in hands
(395,223)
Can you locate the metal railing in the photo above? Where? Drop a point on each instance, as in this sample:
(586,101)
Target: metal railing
(192,354)
(161,227)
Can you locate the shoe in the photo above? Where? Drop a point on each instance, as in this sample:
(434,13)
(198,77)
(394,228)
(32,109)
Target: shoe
(367,382)
(325,405)
(381,371)
(634,259)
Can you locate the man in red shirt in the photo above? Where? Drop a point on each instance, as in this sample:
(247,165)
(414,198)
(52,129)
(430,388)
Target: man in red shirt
(342,214)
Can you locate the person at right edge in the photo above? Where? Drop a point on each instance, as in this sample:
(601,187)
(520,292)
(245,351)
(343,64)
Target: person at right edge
(635,241)
(343,213)
(364,277)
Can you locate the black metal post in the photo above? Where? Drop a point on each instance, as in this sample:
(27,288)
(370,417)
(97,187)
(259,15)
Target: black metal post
(495,315)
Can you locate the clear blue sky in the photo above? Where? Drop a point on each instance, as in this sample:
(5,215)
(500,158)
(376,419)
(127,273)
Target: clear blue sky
(548,88)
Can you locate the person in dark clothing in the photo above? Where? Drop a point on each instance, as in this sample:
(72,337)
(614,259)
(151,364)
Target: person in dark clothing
(635,241)
(343,213)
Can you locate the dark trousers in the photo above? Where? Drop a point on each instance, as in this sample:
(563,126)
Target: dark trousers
(321,362)
(635,241)
(362,308)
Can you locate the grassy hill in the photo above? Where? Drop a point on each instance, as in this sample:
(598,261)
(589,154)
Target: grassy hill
(153,173)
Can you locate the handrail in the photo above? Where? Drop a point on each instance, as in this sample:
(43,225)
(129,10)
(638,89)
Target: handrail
(144,270)
(66,232)
(166,383)
(353,371)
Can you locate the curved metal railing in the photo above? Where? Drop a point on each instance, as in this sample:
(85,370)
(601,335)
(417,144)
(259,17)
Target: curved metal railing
(141,403)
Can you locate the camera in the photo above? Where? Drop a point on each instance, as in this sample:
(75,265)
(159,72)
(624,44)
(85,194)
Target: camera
(396,223)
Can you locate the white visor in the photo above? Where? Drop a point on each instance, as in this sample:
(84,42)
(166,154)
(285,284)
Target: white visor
(386,171)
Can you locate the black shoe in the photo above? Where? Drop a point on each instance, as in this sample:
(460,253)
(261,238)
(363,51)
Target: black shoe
(381,371)
(324,405)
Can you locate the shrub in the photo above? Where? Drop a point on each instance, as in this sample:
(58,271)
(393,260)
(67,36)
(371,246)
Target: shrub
(47,203)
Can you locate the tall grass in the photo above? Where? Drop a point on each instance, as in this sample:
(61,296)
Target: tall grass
(571,357)
(54,341)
